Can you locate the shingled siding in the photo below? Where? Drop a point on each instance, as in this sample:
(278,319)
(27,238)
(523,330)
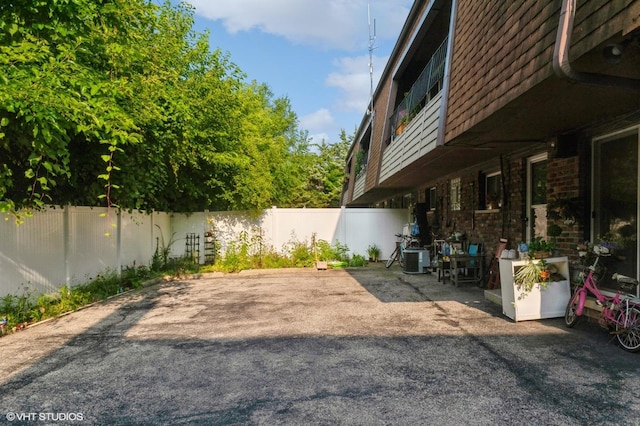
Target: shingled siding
(384,107)
(375,150)
(502,49)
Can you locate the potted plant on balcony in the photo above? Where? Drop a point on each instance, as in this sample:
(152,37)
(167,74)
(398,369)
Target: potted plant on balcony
(402,123)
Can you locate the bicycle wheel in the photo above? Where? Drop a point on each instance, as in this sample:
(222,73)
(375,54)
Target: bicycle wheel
(401,258)
(392,258)
(570,315)
(628,328)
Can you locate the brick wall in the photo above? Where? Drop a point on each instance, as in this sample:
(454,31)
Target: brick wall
(563,183)
(566,179)
(485,226)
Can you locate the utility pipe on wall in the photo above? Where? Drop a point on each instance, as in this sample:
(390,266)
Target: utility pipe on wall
(562,63)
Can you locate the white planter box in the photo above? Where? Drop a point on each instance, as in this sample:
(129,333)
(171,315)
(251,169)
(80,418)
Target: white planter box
(539,303)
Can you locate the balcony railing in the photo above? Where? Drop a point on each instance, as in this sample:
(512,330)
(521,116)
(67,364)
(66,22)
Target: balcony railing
(427,85)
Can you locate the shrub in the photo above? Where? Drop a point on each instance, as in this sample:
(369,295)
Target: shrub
(358,260)
(301,255)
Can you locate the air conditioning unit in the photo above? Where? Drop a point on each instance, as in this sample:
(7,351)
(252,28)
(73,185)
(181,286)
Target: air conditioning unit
(416,261)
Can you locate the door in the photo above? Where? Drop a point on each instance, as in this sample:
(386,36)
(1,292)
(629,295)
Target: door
(615,200)
(537,197)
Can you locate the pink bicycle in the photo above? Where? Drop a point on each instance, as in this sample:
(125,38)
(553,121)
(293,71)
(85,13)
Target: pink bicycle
(620,313)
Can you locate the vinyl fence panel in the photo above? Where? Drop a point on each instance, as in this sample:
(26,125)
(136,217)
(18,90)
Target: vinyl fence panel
(72,245)
(32,255)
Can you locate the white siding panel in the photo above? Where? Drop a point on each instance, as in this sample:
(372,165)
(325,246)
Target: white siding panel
(181,225)
(358,186)
(138,238)
(419,139)
(71,246)
(356,228)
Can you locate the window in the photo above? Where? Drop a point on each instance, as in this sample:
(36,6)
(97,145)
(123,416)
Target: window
(493,191)
(430,197)
(537,196)
(616,165)
(455,194)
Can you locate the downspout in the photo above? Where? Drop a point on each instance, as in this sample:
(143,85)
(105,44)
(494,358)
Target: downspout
(562,63)
(447,70)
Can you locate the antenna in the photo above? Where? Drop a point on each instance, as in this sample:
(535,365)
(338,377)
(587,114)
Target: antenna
(372,40)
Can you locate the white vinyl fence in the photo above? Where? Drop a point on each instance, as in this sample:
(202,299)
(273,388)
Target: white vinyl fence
(69,246)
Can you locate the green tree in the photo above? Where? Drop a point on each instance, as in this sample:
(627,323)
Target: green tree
(49,95)
(118,103)
(324,175)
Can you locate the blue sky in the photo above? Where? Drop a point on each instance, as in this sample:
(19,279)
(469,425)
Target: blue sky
(315,52)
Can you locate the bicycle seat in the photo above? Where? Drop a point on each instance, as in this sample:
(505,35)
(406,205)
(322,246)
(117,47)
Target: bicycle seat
(399,235)
(623,279)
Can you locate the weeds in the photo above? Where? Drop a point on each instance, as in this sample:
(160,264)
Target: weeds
(160,259)
(18,311)
(249,252)
(358,260)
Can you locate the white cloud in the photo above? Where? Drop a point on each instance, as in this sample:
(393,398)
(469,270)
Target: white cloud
(319,137)
(354,81)
(318,120)
(338,27)
(339,24)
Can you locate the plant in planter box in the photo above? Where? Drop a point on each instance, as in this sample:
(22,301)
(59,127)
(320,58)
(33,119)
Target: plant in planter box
(539,248)
(529,275)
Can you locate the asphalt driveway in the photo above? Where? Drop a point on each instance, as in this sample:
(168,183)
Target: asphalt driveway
(360,346)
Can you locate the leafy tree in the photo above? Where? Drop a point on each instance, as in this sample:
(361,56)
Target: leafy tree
(121,103)
(325,175)
(58,86)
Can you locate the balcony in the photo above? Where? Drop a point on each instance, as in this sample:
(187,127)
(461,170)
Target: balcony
(418,138)
(358,186)
(415,120)
(427,86)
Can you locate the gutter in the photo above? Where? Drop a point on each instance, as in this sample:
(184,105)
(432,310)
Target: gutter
(562,62)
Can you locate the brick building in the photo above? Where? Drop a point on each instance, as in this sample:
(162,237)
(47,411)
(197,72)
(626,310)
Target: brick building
(501,119)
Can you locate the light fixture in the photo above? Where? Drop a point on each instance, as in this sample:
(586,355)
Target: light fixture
(613,53)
